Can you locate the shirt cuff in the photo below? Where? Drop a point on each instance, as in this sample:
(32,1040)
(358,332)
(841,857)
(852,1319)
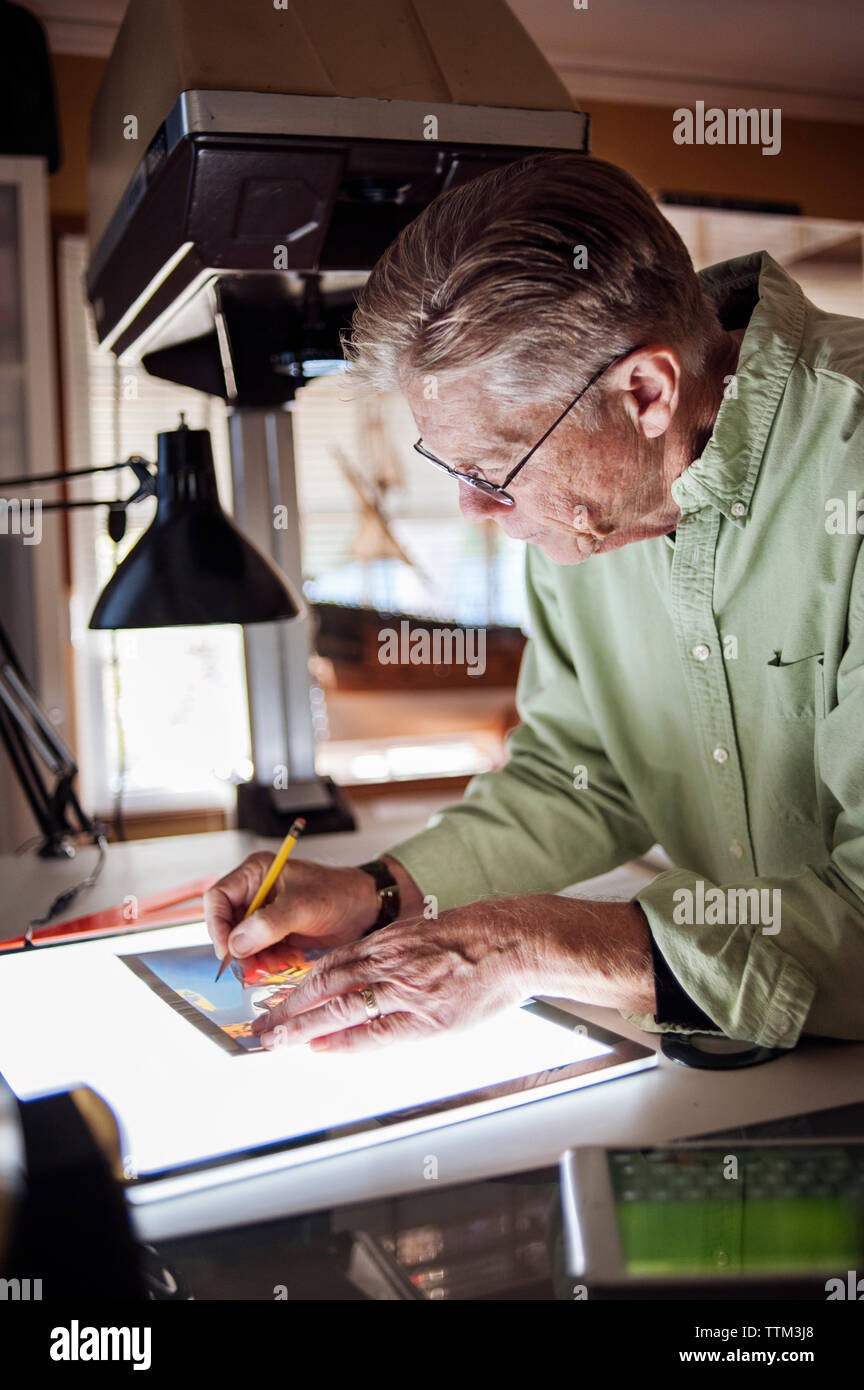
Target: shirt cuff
(442,864)
(753,988)
(674,1005)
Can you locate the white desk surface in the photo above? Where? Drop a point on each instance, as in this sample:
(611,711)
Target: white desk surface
(656,1106)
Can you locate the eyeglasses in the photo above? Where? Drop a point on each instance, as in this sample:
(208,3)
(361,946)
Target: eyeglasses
(499,491)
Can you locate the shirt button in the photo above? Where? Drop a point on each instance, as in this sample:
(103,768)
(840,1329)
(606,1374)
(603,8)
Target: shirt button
(721,755)
(739,509)
(736,850)
(782,1025)
(701,652)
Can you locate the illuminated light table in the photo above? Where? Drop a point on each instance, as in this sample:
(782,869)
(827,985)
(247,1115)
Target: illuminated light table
(666,1102)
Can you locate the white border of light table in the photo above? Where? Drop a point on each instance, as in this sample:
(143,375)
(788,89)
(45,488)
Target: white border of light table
(651,1107)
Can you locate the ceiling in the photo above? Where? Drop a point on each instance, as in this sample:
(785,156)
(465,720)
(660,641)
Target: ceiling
(79,26)
(804,57)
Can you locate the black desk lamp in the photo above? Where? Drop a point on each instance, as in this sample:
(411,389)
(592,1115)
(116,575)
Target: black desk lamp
(191,567)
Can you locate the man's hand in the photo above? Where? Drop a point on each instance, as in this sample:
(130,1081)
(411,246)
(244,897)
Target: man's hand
(317,905)
(427,976)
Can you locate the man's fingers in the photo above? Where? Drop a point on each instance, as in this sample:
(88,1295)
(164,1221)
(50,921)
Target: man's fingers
(375,1033)
(228,899)
(329,980)
(346,1011)
(264,928)
(219,915)
(378,1032)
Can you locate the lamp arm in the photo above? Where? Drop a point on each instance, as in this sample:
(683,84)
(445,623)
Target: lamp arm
(139,465)
(118,506)
(25,730)
(34,724)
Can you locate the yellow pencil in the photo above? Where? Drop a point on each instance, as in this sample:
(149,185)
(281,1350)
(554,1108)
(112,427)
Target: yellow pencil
(270,877)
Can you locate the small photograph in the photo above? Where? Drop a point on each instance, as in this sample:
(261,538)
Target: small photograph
(225,1010)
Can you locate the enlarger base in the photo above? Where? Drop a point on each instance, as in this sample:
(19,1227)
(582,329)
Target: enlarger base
(269,810)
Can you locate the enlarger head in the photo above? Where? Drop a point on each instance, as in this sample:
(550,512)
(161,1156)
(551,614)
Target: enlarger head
(274,155)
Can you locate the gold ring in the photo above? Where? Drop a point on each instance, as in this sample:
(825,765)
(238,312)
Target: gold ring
(370,1003)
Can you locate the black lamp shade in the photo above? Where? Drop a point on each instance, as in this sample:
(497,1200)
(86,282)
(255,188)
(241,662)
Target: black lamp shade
(192,566)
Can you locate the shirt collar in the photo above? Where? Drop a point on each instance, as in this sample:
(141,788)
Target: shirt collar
(725,474)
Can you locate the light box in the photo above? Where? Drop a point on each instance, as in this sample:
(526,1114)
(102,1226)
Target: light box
(194,1114)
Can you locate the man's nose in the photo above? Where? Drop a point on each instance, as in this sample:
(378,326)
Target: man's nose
(476,505)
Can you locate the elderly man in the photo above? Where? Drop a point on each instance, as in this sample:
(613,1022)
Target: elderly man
(683,455)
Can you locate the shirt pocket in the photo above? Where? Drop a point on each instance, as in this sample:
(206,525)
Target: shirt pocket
(796,688)
(793,708)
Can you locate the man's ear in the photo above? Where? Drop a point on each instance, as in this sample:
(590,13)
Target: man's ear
(650,389)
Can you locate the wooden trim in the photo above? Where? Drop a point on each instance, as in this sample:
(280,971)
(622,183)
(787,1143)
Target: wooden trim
(157,824)
(381,791)
(62,224)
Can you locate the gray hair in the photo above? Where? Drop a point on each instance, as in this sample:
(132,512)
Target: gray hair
(537,274)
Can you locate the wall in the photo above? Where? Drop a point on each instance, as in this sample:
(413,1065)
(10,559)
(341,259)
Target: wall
(818,167)
(76,80)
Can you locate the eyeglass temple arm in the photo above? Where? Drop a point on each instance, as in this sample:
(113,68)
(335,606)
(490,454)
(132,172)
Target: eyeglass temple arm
(555,423)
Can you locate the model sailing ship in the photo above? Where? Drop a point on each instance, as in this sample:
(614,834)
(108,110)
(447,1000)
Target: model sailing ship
(349,636)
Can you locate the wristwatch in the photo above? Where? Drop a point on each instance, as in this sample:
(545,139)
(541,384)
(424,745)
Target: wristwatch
(389,905)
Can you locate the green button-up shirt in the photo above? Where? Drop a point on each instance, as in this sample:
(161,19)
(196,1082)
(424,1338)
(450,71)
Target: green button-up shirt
(707,692)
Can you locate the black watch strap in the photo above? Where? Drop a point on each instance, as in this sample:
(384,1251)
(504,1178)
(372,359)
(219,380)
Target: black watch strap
(389,905)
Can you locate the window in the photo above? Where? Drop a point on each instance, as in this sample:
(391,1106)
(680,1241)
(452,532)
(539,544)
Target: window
(458,571)
(161,715)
